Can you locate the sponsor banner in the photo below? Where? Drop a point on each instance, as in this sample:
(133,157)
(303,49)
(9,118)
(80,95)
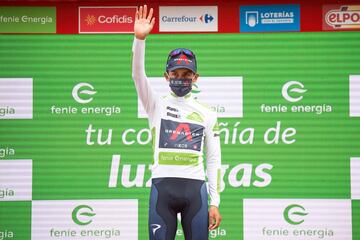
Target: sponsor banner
(15,180)
(293,93)
(297,219)
(270,18)
(85,219)
(106,19)
(6,151)
(188,19)
(83,95)
(16,98)
(354,95)
(15,220)
(223,94)
(340,17)
(356,218)
(355,178)
(27,20)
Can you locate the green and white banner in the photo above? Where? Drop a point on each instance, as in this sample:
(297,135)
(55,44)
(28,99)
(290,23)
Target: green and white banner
(76,151)
(27,19)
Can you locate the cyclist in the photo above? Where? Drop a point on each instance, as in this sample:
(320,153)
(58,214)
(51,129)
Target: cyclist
(182,129)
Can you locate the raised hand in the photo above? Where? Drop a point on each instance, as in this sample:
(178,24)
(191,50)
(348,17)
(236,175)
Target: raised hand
(144,22)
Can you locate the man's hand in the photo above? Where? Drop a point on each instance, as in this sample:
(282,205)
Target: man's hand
(214,217)
(144,23)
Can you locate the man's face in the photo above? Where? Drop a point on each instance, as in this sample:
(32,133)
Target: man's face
(181,73)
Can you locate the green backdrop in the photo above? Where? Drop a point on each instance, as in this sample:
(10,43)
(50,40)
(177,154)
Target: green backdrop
(315,166)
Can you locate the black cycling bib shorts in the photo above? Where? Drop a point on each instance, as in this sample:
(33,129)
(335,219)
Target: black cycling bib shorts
(170,196)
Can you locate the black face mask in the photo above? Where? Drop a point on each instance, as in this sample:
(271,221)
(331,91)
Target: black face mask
(180,86)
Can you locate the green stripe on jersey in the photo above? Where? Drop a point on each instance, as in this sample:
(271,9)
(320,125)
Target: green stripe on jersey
(172,158)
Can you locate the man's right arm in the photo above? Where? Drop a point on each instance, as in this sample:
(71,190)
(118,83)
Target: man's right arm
(143,25)
(143,88)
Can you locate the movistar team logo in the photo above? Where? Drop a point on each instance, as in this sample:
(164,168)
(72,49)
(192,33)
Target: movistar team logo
(293,213)
(82,214)
(291,87)
(83,88)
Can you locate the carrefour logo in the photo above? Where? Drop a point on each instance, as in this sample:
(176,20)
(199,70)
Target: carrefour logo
(294,213)
(82,215)
(84,89)
(293,87)
(188,18)
(205,18)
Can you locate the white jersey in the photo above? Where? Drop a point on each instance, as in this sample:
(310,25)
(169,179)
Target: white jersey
(182,129)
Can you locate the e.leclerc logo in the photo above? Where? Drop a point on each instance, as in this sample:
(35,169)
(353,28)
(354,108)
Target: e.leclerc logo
(106,19)
(83,94)
(270,18)
(294,92)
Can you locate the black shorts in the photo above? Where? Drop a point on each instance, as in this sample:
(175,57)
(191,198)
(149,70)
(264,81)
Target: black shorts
(170,196)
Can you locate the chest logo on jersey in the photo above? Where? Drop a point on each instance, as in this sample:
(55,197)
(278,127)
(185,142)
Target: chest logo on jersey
(180,135)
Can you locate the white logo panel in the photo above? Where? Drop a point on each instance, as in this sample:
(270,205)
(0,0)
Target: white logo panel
(16,98)
(354,95)
(85,219)
(355,178)
(223,94)
(15,180)
(188,19)
(286,219)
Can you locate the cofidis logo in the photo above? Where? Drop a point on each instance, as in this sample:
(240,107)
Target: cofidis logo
(270,18)
(106,19)
(339,17)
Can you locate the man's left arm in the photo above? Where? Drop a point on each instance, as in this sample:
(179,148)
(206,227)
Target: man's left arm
(213,169)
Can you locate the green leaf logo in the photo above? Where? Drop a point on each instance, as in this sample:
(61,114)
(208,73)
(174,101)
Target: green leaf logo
(287,214)
(82,210)
(195,89)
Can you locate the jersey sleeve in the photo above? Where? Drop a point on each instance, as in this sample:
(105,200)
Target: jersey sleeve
(142,85)
(213,160)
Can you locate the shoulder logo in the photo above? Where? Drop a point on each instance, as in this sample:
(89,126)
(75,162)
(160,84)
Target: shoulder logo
(195,117)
